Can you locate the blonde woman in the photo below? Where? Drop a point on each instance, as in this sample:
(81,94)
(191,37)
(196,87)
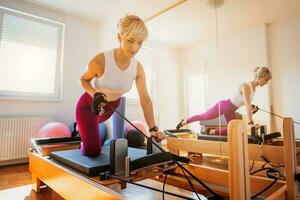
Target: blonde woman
(243,96)
(114,72)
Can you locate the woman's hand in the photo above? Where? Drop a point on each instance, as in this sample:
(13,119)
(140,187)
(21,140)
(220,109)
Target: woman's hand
(254,108)
(181,124)
(158,136)
(251,123)
(99,101)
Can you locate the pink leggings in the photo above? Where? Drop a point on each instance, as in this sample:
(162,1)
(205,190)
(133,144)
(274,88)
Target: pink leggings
(88,121)
(223,107)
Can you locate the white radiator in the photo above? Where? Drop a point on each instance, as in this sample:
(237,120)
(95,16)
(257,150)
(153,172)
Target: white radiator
(15,135)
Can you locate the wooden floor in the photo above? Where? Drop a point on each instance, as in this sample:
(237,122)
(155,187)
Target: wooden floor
(15,184)
(14,176)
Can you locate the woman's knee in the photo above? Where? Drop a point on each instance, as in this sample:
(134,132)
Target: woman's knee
(91,151)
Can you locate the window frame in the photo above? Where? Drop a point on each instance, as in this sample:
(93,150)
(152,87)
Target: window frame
(31,96)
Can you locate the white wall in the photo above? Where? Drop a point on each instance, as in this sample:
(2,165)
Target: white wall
(107,33)
(80,46)
(284,48)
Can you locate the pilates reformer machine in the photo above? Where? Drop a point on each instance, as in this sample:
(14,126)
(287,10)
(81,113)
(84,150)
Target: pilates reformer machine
(59,164)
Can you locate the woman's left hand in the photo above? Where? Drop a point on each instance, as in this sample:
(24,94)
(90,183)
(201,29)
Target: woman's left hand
(158,136)
(254,108)
(251,123)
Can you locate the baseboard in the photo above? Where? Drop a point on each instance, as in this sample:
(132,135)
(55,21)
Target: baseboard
(13,162)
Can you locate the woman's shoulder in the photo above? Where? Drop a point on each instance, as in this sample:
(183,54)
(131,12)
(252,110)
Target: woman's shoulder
(97,64)
(98,60)
(139,70)
(244,87)
(139,66)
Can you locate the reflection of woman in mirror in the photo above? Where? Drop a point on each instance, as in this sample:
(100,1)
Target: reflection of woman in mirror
(113,72)
(243,96)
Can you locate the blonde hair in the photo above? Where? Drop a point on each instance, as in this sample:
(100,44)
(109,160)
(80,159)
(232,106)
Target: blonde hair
(134,26)
(262,72)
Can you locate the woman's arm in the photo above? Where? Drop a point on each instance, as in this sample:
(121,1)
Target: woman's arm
(145,99)
(245,89)
(95,68)
(146,102)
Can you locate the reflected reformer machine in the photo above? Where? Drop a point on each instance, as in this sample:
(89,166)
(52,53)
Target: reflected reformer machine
(241,166)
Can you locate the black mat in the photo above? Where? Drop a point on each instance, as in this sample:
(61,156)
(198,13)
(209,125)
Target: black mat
(91,166)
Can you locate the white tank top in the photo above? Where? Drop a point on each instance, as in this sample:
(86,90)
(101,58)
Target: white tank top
(115,82)
(238,99)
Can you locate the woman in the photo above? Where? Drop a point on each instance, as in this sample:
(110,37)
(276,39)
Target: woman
(243,96)
(114,72)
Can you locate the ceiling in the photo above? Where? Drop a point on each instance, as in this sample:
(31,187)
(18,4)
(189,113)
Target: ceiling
(189,23)
(100,9)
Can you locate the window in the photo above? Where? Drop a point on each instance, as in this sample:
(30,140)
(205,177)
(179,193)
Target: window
(145,57)
(30,56)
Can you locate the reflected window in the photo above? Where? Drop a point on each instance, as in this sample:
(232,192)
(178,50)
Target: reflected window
(196,92)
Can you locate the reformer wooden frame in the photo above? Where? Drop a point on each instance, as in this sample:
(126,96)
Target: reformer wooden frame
(237,179)
(63,180)
(66,182)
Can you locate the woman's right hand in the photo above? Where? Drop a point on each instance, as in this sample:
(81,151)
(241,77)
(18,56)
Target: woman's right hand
(99,101)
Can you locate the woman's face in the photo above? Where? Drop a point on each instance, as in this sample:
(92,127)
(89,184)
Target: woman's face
(263,81)
(130,45)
